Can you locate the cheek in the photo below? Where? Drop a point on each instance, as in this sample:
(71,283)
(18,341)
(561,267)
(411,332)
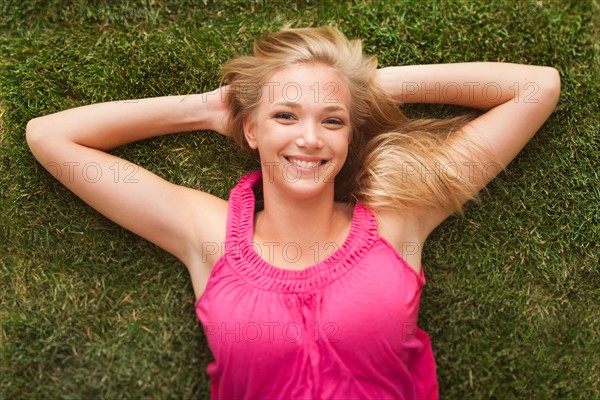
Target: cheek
(271,142)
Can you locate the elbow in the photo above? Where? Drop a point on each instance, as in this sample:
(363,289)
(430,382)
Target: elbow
(550,84)
(32,133)
(36,133)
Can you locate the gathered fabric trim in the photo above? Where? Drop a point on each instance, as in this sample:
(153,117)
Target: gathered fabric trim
(241,253)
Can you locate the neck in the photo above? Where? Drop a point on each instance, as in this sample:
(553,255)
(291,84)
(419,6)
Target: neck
(302,222)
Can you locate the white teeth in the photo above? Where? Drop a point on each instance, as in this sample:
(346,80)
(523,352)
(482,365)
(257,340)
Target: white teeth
(305,164)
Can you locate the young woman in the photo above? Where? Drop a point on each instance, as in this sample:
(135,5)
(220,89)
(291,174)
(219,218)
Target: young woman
(317,294)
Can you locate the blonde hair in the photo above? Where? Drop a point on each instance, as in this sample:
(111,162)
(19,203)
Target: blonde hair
(388,153)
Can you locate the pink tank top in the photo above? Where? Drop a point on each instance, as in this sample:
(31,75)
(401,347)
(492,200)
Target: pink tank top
(344,328)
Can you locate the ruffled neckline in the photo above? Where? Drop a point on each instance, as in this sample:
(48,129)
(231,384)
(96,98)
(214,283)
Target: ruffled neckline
(254,269)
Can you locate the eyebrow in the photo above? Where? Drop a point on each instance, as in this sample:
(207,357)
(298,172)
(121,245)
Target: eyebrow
(333,107)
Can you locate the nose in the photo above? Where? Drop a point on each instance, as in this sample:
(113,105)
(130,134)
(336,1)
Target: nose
(309,137)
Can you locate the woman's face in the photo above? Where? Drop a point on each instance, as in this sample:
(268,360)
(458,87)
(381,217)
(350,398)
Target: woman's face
(301,129)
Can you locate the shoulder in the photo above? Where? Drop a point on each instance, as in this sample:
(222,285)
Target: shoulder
(406,232)
(207,224)
(212,213)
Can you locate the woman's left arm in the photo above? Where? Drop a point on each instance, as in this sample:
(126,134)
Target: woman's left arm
(517,100)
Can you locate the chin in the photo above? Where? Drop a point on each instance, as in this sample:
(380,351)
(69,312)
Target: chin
(306,189)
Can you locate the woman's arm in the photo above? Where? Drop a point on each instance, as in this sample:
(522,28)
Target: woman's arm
(109,125)
(481,85)
(517,99)
(71,145)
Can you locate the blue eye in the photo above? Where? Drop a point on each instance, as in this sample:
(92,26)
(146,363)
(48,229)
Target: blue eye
(334,121)
(284,115)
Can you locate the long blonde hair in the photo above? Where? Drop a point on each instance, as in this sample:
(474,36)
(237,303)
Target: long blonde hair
(393,162)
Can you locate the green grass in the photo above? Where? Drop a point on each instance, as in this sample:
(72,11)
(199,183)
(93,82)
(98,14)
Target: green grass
(88,310)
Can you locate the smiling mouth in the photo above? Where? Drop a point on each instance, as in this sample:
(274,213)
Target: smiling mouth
(306,164)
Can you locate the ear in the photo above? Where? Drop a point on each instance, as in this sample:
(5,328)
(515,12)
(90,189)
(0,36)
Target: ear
(250,132)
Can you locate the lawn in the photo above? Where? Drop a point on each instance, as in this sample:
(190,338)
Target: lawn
(89,310)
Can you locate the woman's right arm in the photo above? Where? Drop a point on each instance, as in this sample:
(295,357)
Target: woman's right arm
(72,146)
